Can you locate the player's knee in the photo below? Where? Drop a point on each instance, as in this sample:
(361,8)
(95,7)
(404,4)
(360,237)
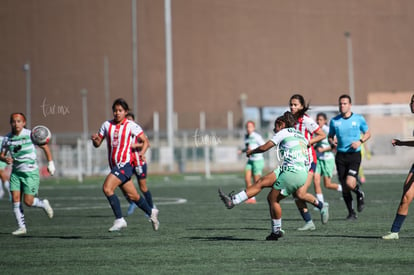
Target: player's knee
(107,190)
(28,202)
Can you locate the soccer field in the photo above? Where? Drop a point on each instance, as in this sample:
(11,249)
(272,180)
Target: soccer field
(198,235)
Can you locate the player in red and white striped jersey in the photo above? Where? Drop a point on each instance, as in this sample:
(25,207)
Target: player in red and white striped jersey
(140,167)
(313,134)
(120,134)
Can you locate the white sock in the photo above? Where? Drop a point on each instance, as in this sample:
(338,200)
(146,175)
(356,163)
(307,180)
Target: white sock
(276,225)
(18,213)
(7,185)
(339,188)
(1,186)
(240,197)
(38,203)
(320,197)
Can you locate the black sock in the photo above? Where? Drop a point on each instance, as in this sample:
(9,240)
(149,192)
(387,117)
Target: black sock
(115,205)
(148,198)
(348,202)
(142,203)
(398,222)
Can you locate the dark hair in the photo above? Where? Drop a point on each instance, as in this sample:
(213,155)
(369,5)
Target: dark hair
(13,114)
(288,118)
(302,102)
(122,103)
(322,115)
(345,96)
(131,115)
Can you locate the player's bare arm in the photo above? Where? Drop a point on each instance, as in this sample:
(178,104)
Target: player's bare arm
(5,158)
(96,140)
(262,148)
(397,142)
(318,135)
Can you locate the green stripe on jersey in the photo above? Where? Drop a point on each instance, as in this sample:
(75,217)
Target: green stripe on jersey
(22,150)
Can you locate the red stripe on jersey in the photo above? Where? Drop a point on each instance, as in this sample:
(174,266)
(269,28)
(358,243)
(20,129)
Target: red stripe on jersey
(125,143)
(109,144)
(300,126)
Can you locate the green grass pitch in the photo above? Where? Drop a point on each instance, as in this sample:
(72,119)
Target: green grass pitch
(198,235)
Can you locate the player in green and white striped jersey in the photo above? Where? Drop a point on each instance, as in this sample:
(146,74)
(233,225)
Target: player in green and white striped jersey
(255,163)
(18,150)
(326,160)
(288,179)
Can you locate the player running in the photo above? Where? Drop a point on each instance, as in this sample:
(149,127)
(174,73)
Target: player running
(326,158)
(255,163)
(140,167)
(119,134)
(19,151)
(408,191)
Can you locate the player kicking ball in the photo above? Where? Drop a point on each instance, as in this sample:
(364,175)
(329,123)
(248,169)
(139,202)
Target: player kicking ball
(288,179)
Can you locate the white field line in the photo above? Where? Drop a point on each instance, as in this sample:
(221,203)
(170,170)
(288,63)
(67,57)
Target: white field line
(83,203)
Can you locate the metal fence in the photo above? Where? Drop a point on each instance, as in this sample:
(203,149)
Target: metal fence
(213,151)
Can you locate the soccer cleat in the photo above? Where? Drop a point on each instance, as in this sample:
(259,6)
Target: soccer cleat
(48,209)
(250,201)
(360,201)
(325,213)
(154,219)
(228,202)
(275,236)
(351,217)
(118,225)
(309,226)
(391,236)
(20,231)
(131,208)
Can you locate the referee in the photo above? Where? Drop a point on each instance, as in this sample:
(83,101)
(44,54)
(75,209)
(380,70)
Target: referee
(345,134)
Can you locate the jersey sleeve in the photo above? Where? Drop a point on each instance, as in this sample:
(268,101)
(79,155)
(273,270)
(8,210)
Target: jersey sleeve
(277,138)
(136,130)
(103,130)
(363,125)
(331,132)
(310,124)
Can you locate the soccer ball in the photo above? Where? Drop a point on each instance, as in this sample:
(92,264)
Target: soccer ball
(41,135)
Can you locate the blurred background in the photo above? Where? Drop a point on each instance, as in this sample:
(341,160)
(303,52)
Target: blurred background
(193,71)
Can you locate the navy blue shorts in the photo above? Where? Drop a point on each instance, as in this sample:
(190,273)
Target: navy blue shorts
(141,171)
(123,173)
(312,167)
(412,169)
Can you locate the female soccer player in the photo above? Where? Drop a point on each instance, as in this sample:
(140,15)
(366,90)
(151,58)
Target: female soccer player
(4,176)
(290,177)
(140,167)
(255,163)
(19,150)
(326,158)
(308,127)
(313,133)
(120,134)
(408,191)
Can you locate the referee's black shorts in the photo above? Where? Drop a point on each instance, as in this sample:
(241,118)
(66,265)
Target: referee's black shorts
(347,164)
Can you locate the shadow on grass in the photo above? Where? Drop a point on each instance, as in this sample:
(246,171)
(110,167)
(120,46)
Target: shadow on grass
(59,237)
(221,238)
